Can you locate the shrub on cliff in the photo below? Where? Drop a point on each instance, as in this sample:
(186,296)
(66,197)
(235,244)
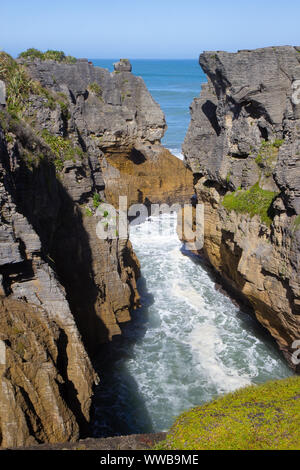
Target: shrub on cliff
(31,53)
(18,83)
(58,56)
(254,201)
(62,148)
(252,418)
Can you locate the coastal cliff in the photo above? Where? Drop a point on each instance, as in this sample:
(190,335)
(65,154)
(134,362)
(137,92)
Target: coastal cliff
(63,291)
(118,120)
(243,147)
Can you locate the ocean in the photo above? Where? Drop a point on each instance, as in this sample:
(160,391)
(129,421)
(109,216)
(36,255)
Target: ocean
(173,84)
(188,343)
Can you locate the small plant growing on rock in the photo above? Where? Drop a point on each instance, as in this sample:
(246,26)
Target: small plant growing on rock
(88,212)
(96,89)
(96,200)
(62,148)
(267,156)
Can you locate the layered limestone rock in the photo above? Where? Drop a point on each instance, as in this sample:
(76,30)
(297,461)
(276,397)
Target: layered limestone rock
(243,148)
(63,290)
(121,125)
(46,374)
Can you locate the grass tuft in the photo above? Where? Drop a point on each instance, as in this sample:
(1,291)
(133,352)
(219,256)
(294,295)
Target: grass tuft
(62,148)
(267,156)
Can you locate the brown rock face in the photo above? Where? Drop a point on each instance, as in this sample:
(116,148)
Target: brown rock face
(147,176)
(46,376)
(39,401)
(244,135)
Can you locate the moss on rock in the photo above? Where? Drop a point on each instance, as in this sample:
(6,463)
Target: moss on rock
(254,201)
(256,417)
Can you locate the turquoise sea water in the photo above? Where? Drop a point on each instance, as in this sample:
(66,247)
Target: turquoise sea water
(188,342)
(173,84)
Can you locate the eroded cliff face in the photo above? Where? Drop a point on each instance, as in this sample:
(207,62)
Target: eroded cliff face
(46,374)
(243,147)
(119,122)
(63,291)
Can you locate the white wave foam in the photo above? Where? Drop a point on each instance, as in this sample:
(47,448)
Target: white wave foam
(204,341)
(196,344)
(189,294)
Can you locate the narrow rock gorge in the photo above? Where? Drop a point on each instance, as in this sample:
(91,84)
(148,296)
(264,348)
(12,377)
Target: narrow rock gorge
(72,136)
(243,147)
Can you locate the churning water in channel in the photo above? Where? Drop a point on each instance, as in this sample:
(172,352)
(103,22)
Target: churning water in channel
(187,343)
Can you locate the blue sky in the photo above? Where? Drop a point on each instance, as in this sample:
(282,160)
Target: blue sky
(147,28)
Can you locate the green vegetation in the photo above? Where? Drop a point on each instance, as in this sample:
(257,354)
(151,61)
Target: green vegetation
(96,200)
(20,348)
(62,148)
(31,53)
(51,102)
(88,212)
(278,143)
(252,418)
(296,224)
(58,56)
(267,156)
(254,201)
(96,89)
(19,86)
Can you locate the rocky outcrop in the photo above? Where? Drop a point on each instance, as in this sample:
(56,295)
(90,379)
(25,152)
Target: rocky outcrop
(46,376)
(121,125)
(131,442)
(2,93)
(123,66)
(63,291)
(114,110)
(243,148)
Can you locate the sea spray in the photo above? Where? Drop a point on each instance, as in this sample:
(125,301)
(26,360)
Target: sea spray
(187,344)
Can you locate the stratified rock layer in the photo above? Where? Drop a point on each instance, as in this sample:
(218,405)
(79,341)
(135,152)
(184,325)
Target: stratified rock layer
(121,126)
(46,374)
(63,291)
(244,133)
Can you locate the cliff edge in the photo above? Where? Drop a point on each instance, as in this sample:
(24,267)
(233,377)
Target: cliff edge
(243,147)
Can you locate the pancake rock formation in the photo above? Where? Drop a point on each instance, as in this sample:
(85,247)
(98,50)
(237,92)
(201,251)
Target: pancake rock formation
(123,124)
(243,146)
(63,291)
